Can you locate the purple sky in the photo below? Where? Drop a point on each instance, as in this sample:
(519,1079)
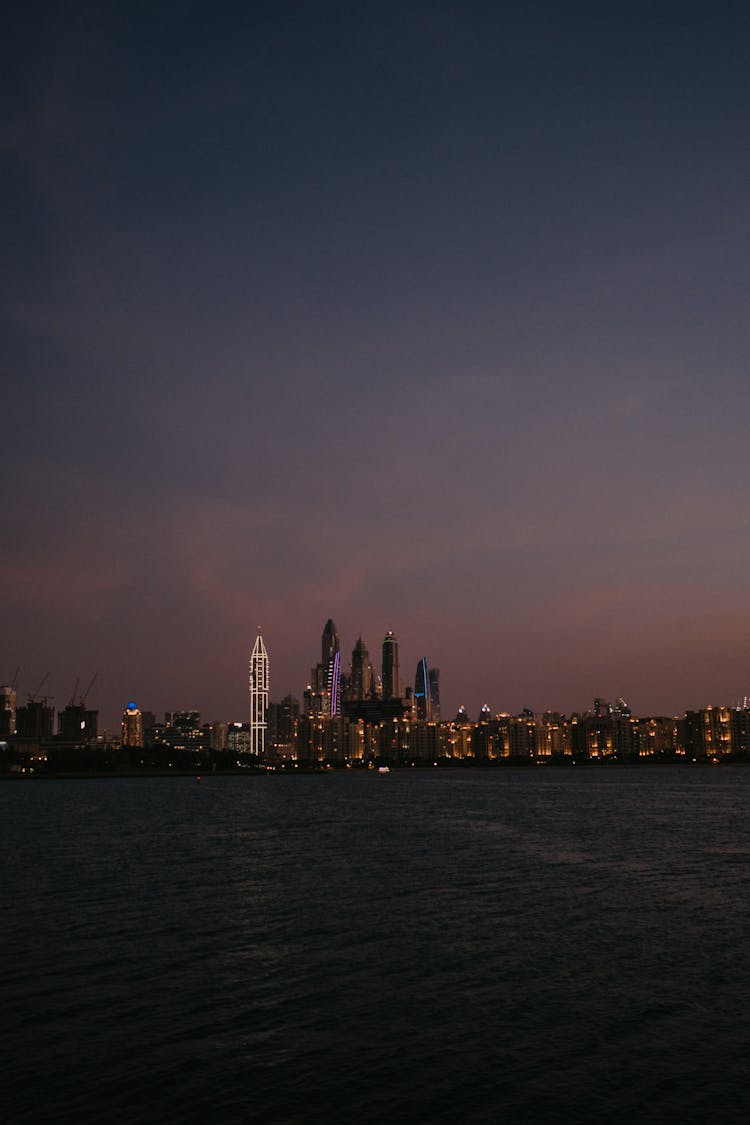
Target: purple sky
(430,317)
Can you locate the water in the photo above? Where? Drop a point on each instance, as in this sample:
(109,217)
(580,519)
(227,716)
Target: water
(451,946)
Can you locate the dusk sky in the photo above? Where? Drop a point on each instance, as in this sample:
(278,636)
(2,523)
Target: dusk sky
(429,317)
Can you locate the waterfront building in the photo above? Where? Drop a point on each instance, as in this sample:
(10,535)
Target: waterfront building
(181,731)
(740,730)
(482,736)
(708,732)
(655,737)
(460,739)
(238,739)
(717,731)
(76,723)
(523,736)
(258,682)
(132,725)
(35,720)
(390,667)
(554,735)
(283,718)
(7,711)
(148,719)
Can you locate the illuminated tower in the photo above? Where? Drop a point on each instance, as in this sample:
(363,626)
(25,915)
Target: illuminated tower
(331,666)
(132,726)
(258,698)
(391,679)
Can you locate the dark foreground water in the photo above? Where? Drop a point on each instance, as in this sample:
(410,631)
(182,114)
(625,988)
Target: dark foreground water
(518,946)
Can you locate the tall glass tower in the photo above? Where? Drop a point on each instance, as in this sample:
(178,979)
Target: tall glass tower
(258,698)
(330,642)
(332,666)
(361,686)
(433,679)
(422,691)
(391,677)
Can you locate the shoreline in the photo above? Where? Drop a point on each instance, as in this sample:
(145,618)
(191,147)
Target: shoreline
(335,769)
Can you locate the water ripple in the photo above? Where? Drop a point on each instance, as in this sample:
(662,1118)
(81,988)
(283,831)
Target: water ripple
(452,947)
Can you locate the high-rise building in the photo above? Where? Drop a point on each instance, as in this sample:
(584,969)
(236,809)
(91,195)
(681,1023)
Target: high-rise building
(323,693)
(35,720)
(132,725)
(7,711)
(433,679)
(391,677)
(283,719)
(330,642)
(361,678)
(258,698)
(331,651)
(422,701)
(148,720)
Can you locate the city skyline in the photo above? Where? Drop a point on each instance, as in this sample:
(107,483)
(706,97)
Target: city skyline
(428,317)
(355,718)
(357,679)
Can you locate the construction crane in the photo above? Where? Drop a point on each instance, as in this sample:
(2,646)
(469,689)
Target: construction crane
(77,700)
(92,681)
(33,695)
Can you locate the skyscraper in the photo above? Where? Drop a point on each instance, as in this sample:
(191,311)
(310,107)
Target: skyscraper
(433,679)
(427,692)
(361,681)
(391,677)
(258,698)
(422,691)
(329,670)
(330,642)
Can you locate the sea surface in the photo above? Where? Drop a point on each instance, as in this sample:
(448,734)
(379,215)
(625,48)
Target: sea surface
(530,945)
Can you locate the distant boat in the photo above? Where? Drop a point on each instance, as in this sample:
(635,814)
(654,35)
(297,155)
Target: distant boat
(384,769)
